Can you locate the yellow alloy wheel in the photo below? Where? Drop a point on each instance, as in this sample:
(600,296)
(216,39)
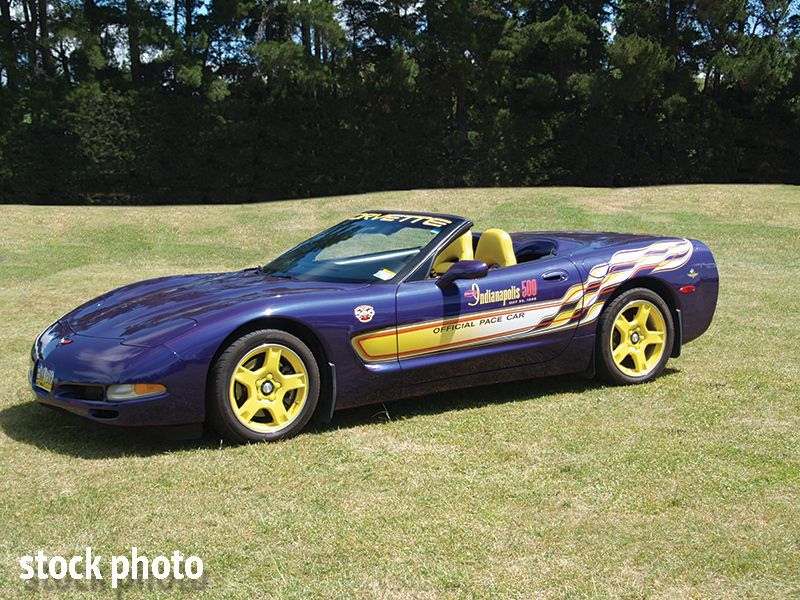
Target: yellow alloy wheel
(639,338)
(268,388)
(635,334)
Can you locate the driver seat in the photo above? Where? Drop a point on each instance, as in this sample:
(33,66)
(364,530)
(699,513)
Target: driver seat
(459,249)
(495,249)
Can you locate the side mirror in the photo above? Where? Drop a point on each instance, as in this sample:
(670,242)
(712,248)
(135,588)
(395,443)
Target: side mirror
(463,269)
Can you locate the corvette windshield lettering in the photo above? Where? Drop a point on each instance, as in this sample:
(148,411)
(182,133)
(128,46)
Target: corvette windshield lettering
(427,220)
(381,306)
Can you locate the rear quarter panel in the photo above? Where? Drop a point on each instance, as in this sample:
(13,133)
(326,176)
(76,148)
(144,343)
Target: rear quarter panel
(698,307)
(683,271)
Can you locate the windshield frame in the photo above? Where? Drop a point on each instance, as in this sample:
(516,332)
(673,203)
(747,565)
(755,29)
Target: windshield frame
(444,227)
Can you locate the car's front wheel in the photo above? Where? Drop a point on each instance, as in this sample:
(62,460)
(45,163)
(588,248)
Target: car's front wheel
(635,336)
(263,387)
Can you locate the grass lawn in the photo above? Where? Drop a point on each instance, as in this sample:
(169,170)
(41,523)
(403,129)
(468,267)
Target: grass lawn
(687,487)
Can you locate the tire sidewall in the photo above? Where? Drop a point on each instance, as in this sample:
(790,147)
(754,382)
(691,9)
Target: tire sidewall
(607,367)
(220,411)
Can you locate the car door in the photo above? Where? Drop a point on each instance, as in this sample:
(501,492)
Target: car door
(515,316)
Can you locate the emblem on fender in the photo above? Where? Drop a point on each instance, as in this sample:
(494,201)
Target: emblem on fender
(364,313)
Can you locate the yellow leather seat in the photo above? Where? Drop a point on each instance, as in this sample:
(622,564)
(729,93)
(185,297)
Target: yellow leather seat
(459,249)
(496,249)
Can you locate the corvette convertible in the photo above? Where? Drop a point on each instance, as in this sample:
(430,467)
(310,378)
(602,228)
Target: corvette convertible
(382,306)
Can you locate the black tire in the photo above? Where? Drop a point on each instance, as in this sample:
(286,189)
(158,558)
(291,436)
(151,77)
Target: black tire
(264,387)
(634,337)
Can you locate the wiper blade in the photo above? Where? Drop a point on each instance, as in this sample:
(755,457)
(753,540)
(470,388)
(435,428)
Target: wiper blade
(264,271)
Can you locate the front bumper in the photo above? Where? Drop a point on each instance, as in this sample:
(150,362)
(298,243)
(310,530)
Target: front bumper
(81,369)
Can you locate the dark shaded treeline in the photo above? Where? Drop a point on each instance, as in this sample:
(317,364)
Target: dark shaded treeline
(140,101)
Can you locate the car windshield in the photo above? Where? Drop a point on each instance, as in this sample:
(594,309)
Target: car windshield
(368,248)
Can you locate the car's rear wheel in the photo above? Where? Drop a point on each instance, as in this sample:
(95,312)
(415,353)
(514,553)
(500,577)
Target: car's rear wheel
(635,336)
(263,387)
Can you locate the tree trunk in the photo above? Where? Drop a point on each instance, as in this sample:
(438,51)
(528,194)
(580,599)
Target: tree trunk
(265,26)
(134,50)
(305,27)
(44,40)
(7,50)
(188,15)
(29,11)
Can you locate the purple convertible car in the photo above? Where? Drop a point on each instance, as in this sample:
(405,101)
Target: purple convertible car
(384,305)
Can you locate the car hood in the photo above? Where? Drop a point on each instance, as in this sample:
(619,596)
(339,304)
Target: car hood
(148,313)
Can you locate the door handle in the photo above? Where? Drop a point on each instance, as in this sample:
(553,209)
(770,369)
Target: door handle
(557,275)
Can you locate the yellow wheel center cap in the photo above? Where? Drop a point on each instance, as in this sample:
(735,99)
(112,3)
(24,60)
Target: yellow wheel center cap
(635,338)
(267,387)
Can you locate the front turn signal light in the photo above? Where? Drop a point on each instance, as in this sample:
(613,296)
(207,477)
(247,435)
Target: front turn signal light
(134,391)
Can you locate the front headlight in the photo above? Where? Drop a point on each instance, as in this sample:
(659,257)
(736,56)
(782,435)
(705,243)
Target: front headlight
(134,391)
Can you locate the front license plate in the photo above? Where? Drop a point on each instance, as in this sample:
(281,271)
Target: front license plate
(44,376)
